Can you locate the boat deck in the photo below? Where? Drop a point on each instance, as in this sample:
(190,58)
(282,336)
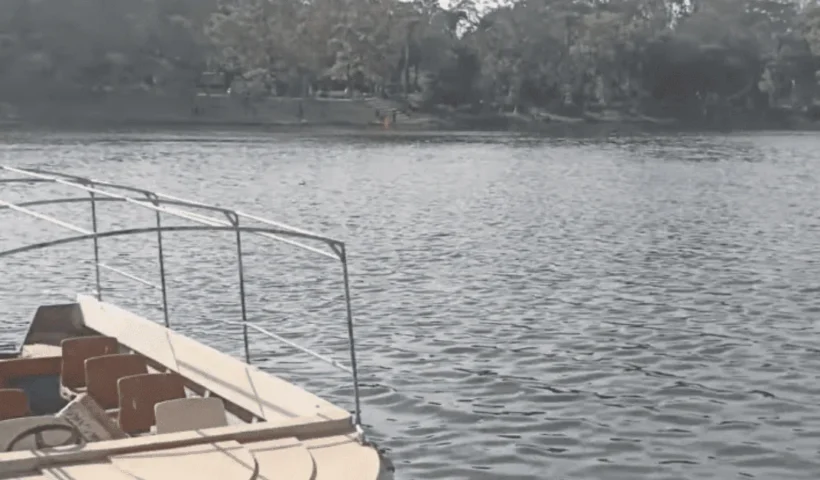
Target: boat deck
(338,457)
(271,429)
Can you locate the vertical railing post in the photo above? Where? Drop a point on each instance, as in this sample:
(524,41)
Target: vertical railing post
(155,200)
(234,219)
(96,245)
(342,252)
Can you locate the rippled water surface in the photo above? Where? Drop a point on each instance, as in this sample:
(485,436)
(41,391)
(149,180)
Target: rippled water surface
(609,309)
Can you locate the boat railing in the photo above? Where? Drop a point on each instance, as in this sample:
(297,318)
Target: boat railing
(163,204)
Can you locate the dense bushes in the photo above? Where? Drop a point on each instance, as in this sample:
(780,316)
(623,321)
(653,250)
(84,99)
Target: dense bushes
(685,55)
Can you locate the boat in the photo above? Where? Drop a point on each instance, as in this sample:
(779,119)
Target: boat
(95,391)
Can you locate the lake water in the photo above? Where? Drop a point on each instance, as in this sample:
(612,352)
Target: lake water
(626,308)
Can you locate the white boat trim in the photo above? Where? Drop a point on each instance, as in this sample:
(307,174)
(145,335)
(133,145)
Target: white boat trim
(237,382)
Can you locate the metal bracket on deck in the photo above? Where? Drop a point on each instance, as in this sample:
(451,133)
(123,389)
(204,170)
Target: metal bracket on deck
(360,435)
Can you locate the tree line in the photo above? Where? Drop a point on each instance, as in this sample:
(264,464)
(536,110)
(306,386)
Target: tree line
(678,56)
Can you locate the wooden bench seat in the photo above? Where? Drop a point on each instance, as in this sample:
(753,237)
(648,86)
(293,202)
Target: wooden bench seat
(16,368)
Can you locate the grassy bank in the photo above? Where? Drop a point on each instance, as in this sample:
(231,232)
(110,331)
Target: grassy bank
(144,110)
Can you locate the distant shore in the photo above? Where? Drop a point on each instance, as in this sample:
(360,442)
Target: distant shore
(150,111)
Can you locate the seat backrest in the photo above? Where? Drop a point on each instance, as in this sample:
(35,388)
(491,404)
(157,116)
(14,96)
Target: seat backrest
(13,403)
(39,377)
(15,368)
(103,372)
(139,394)
(75,351)
(190,414)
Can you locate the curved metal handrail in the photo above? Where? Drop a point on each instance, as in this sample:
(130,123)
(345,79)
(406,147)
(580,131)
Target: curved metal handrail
(210,220)
(186,209)
(270,334)
(136,231)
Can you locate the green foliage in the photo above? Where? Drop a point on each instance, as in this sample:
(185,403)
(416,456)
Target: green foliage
(576,54)
(89,45)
